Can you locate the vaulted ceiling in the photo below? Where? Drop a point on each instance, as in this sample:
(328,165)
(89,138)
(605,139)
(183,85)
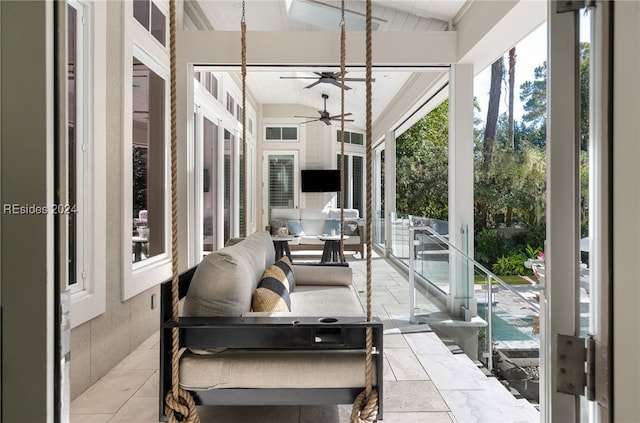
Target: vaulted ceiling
(482,28)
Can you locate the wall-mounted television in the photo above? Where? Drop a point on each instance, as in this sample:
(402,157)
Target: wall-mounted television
(316,180)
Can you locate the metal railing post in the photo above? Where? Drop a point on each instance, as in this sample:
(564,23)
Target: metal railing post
(412,283)
(490,324)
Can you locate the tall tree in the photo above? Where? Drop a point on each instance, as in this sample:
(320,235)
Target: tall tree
(512,83)
(497,72)
(422,166)
(534,95)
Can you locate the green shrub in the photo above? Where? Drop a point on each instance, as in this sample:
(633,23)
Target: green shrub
(533,236)
(490,245)
(509,265)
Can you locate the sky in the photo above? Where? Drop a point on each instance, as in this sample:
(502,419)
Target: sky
(530,53)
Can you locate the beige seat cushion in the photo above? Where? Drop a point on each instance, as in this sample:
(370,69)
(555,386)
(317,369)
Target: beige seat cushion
(325,301)
(273,369)
(322,275)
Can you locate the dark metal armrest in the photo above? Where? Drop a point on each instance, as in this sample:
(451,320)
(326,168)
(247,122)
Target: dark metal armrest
(275,332)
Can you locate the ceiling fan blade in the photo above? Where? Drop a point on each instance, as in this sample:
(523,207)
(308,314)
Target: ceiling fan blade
(346,120)
(339,116)
(326,121)
(306,117)
(313,85)
(309,121)
(338,84)
(298,77)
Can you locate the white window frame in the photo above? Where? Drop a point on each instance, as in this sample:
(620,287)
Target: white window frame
(348,142)
(349,155)
(163,6)
(265,177)
(140,276)
(89,300)
(215,110)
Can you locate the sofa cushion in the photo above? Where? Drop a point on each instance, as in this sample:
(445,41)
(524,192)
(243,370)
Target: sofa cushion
(224,281)
(272,293)
(274,369)
(286,266)
(351,227)
(286,214)
(348,214)
(322,275)
(295,228)
(276,224)
(331,225)
(325,301)
(313,226)
(314,214)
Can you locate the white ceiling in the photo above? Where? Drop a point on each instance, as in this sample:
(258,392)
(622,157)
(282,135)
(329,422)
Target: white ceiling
(273,15)
(265,84)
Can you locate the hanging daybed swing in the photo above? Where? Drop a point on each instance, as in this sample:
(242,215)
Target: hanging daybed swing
(178,333)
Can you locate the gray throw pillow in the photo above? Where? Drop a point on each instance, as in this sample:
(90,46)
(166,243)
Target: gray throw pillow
(351,227)
(276,224)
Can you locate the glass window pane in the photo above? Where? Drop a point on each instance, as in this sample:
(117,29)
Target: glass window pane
(281,178)
(148,162)
(272,133)
(210,160)
(228,183)
(158,24)
(141,12)
(213,87)
(356,139)
(358,180)
(290,133)
(72,131)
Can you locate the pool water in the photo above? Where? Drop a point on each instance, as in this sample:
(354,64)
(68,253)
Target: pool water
(508,328)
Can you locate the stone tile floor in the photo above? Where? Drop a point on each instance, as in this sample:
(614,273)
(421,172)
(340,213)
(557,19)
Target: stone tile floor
(424,380)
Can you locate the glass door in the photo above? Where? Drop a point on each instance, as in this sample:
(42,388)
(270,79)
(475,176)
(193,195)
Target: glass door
(209,185)
(575,308)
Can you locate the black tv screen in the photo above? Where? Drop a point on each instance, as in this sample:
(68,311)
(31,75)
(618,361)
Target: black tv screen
(327,180)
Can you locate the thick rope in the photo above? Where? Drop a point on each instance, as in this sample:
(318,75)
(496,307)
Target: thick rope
(179,404)
(245,161)
(343,56)
(365,407)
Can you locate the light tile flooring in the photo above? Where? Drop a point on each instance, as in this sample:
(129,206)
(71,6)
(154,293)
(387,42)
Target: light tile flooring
(424,381)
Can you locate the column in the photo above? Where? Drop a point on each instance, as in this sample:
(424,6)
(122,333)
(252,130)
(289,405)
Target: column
(461,187)
(389,186)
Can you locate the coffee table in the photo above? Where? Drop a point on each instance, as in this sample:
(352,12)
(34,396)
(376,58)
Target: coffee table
(331,250)
(281,245)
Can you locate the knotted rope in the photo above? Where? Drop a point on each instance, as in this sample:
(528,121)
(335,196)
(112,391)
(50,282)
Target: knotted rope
(179,404)
(365,406)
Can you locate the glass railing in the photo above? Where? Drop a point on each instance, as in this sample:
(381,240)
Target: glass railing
(509,344)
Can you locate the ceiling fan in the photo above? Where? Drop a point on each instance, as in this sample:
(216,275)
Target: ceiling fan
(324,115)
(334,78)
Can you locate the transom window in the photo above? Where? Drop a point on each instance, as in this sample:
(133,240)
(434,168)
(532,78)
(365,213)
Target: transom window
(281,133)
(151,18)
(351,138)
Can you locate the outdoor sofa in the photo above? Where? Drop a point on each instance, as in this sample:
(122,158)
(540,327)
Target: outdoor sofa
(307,224)
(233,355)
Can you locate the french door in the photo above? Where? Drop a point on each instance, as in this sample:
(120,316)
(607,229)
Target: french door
(280,176)
(576,308)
